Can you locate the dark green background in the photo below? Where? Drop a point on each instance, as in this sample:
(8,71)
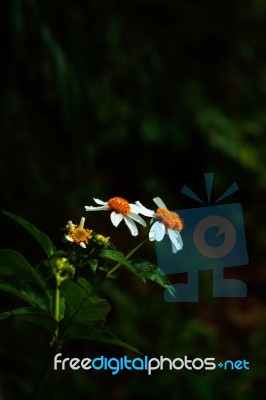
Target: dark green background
(135,99)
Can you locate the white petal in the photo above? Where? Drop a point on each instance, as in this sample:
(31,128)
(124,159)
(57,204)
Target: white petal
(158,201)
(69,238)
(70,225)
(100,208)
(175,237)
(131,225)
(82,222)
(174,250)
(152,234)
(100,202)
(82,244)
(157,231)
(134,208)
(145,211)
(137,218)
(116,218)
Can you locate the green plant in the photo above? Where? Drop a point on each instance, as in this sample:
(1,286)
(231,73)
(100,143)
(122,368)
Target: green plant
(62,291)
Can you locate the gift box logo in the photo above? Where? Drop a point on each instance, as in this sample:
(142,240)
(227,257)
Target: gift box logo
(214,239)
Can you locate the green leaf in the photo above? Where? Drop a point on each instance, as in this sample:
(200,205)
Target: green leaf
(82,306)
(13,263)
(88,288)
(81,331)
(146,270)
(116,256)
(143,269)
(28,292)
(41,237)
(31,314)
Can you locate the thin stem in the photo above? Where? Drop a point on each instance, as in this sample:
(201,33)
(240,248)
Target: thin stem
(54,339)
(110,273)
(57,309)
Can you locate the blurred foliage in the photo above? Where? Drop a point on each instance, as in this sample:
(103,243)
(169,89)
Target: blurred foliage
(135,99)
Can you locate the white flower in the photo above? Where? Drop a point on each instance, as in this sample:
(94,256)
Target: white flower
(145,211)
(78,234)
(121,209)
(167,222)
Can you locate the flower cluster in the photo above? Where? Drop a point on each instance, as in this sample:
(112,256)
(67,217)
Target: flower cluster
(163,221)
(69,305)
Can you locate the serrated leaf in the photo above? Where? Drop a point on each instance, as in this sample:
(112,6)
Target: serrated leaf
(12,263)
(143,269)
(40,236)
(33,315)
(116,256)
(80,305)
(86,332)
(28,292)
(146,270)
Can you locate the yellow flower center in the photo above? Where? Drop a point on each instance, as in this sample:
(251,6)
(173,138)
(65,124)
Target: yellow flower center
(170,219)
(119,205)
(80,234)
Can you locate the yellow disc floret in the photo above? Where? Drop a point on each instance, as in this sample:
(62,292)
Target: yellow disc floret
(80,234)
(119,205)
(170,219)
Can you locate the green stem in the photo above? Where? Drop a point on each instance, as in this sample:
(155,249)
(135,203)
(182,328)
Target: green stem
(54,339)
(110,273)
(57,308)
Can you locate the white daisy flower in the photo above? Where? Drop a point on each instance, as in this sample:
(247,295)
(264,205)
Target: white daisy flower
(121,209)
(78,234)
(167,222)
